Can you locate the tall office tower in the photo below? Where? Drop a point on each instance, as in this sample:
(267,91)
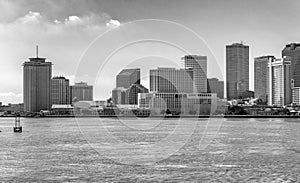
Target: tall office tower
(260,76)
(119,96)
(127,77)
(293,50)
(215,86)
(279,82)
(132,93)
(60,90)
(199,66)
(171,80)
(237,69)
(37,84)
(81,91)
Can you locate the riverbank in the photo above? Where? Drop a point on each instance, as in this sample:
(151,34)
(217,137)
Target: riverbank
(157,116)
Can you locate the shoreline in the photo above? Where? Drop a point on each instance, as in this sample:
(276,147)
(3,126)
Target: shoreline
(182,116)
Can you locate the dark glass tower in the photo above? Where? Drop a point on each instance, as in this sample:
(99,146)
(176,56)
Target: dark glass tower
(37,84)
(127,77)
(293,50)
(237,69)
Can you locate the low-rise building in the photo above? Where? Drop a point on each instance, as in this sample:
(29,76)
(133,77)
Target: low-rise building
(179,103)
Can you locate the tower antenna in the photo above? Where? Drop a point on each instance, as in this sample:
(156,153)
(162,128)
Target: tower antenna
(37,51)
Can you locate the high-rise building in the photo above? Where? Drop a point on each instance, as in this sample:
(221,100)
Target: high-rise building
(81,91)
(237,69)
(37,75)
(127,77)
(199,66)
(293,50)
(171,80)
(215,86)
(132,93)
(279,82)
(260,76)
(128,96)
(60,90)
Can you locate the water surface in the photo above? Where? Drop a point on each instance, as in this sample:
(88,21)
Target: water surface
(56,149)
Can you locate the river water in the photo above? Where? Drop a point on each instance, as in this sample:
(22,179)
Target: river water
(150,150)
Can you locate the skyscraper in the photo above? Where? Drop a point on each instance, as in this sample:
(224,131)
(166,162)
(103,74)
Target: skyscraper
(132,93)
(260,76)
(279,82)
(199,66)
(60,91)
(82,91)
(171,80)
(237,69)
(127,77)
(293,50)
(121,95)
(37,84)
(215,86)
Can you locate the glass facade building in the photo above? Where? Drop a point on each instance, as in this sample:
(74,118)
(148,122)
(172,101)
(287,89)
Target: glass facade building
(293,51)
(237,70)
(260,76)
(60,90)
(81,91)
(127,77)
(171,80)
(198,64)
(37,75)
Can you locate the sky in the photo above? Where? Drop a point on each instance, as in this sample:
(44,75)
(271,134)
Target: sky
(93,40)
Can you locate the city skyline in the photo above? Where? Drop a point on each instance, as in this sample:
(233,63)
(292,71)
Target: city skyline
(64,33)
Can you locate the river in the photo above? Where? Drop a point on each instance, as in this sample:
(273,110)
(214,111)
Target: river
(150,150)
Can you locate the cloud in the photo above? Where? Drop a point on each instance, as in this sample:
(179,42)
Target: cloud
(30,18)
(62,40)
(10,97)
(113,23)
(91,20)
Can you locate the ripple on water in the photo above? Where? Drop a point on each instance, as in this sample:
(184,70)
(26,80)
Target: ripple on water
(55,150)
(267,149)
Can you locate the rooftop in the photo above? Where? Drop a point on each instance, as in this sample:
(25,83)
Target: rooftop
(129,71)
(58,77)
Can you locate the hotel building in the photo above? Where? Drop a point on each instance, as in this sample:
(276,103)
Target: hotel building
(37,75)
(279,82)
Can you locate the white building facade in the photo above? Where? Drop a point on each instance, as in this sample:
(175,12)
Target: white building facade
(279,82)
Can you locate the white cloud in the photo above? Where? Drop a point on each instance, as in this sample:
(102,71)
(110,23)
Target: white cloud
(91,20)
(30,18)
(61,40)
(10,97)
(72,20)
(113,23)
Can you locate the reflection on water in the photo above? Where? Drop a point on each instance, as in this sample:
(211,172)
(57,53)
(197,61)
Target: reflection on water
(244,150)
